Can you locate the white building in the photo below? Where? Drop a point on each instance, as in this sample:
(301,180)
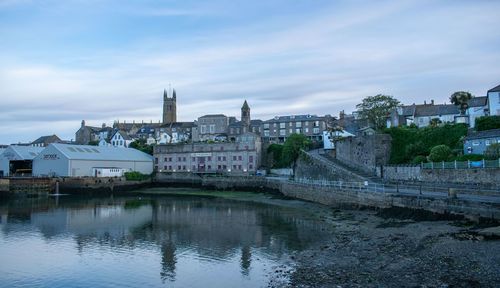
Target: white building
(494,101)
(18,160)
(120,139)
(87,161)
(477,107)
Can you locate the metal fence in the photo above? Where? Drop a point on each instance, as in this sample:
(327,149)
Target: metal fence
(462,164)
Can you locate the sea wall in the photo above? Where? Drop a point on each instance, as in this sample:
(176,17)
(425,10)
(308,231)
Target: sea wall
(487,176)
(333,196)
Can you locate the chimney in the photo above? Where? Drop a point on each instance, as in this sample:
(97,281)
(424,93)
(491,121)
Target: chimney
(432,102)
(83,123)
(425,102)
(103,125)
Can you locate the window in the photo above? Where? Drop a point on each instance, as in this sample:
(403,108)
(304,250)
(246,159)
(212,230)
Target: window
(246,147)
(250,166)
(179,167)
(282,125)
(224,167)
(165,167)
(315,130)
(266,133)
(297,130)
(183,167)
(193,159)
(234,158)
(212,128)
(250,158)
(203,129)
(170,159)
(209,158)
(306,130)
(316,123)
(234,167)
(282,132)
(209,167)
(487,142)
(240,158)
(219,167)
(224,158)
(166,159)
(291,130)
(475,143)
(239,167)
(156,160)
(266,126)
(298,124)
(169,167)
(179,159)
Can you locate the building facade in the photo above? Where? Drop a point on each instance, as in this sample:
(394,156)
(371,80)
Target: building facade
(494,101)
(44,141)
(478,142)
(87,161)
(18,160)
(278,129)
(240,157)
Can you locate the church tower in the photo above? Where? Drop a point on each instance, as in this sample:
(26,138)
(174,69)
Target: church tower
(169,107)
(245,115)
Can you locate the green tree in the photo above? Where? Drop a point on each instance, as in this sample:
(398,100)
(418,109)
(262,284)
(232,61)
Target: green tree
(439,153)
(461,99)
(487,123)
(435,122)
(141,145)
(276,151)
(292,147)
(93,143)
(376,109)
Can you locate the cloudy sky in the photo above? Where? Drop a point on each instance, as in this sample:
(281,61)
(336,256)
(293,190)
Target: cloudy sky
(106,60)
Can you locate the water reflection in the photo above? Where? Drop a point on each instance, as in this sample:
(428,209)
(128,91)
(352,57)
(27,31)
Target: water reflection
(189,234)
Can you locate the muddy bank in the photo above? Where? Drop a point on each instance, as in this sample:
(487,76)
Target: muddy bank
(367,250)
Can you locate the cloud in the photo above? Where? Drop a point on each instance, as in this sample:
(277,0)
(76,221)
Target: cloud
(320,61)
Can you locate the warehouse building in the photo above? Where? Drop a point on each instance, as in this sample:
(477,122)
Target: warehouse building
(18,160)
(65,160)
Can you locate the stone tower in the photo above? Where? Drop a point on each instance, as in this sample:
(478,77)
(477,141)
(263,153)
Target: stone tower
(169,107)
(245,115)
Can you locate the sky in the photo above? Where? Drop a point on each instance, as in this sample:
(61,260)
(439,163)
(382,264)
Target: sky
(101,61)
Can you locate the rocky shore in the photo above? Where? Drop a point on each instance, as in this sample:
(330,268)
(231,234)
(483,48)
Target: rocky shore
(386,249)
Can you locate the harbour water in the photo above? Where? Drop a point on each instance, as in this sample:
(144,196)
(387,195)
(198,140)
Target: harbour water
(177,239)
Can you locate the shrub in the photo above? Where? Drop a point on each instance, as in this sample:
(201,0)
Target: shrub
(439,153)
(419,159)
(136,176)
(469,157)
(493,151)
(409,142)
(487,123)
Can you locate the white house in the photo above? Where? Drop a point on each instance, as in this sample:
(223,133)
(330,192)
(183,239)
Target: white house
(90,161)
(18,160)
(477,107)
(120,139)
(494,101)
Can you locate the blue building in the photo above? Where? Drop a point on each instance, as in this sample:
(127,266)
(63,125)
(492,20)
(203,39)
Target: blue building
(478,142)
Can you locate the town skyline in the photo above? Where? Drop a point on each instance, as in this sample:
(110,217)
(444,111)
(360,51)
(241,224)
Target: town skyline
(282,58)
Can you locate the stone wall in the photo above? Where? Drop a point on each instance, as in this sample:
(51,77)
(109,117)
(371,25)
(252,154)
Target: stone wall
(313,169)
(364,152)
(333,196)
(489,176)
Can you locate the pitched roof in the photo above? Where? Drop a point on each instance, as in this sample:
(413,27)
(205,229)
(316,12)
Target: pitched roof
(25,152)
(432,110)
(483,134)
(245,105)
(101,153)
(43,139)
(295,118)
(478,101)
(495,89)
(213,115)
(178,125)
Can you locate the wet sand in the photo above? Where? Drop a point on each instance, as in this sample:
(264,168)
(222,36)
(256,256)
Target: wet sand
(368,250)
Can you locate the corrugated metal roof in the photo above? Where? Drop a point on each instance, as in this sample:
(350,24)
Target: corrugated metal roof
(26,152)
(108,153)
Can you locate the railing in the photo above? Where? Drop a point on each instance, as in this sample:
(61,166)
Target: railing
(462,164)
(479,193)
